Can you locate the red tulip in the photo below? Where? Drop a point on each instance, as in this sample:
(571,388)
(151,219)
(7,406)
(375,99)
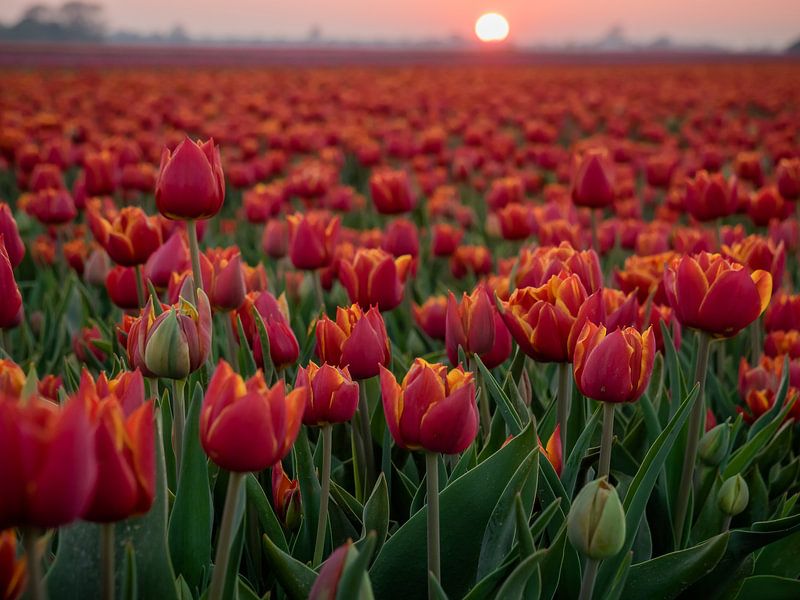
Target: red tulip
(15,247)
(709,197)
(434,409)
(700,289)
(445,239)
(593,183)
(553,450)
(190,184)
(223,277)
(171,257)
(246,426)
(374,277)
(613,367)
(783,313)
(756,253)
(99,174)
(431,317)
(130,238)
(660,313)
(401,237)
(504,192)
(286,497)
(470,259)
(764,205)
(608,307)
(331,397)
(778,343)
(391,192)
(283,347)
(312,239)
(121,287)
(52,207)
(12,378)
(537,266)
(275,240)
(356,340)
(10,299)
(470,324)
(787,176)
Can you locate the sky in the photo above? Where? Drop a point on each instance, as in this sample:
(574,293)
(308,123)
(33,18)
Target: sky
(733,23)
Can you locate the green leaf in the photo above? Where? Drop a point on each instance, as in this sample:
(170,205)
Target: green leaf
(668,575)
(467,461)
(130,586)
(295,578)
(504,405)
(640,488)
(267,520)
(354,573)
(769,416)
(780,558)
(247,363)
(438,592)
(269,368)
(770,587)
(75,573)
(514,586)
(309,492)
(569,474)
(192,517)
(376,515)
(400,570)
(526,545)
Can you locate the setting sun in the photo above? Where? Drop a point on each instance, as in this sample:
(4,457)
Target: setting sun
(491,27)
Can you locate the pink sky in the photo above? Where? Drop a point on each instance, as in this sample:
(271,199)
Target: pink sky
(737,23)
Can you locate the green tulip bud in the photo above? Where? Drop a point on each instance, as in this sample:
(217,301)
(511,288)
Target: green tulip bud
(167,351)
(733,496)
(713,446)
(596,521)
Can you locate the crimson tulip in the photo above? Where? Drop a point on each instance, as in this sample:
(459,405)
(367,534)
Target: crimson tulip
(190,183)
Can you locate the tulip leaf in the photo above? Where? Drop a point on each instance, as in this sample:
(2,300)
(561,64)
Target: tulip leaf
(668,575)
(780,558)
(247,363)
(376,515)
(486,588)
(75,573)
(467,461)
(770,587)
(514,586)
(499,534)
(524,537)
(354,576)
(295,578)
(638,492)
(192,517)
(267,520)
(130,587)
(436,587)
(309,491)
(504,405)
(569,473)
(263,337)
(400,570)
(769,416)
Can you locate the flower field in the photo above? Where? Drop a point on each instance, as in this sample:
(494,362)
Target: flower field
(399,331)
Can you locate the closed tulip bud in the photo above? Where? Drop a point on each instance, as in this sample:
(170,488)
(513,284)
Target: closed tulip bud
(593,183)
(177,342)
(190,184)
(171,257)
(15,247)
(52,207)
(13,569)
(733,496)
(10,298)
(596,521)
(431,316)
(516,222)
(331,397)
(121,287)
(713,446)
(283,347)
(130,238)
(12,378)
(445,239)
(553,450)
(246,426)
(124,446)
(326,585)
(401,238)
(613,367)
(223,278)
(432,410)
(312,240)
(356,340)
(541,319)
(391,192)
(374,277)
(99,174)
(700,288)
(286,497)
(275,240)
(709,197)
(764,205)
(505,192)
(469,324)
(787,176)
(47,462)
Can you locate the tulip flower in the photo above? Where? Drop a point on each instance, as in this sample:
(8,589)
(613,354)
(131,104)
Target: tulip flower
(130,238)
(275,240)
(778,343)
(504,192)
(608,307)
(783,313)
(553,450)
(263,202)
(52,207)
(283,347)
(710,197)
(764,205)
(45,176)
(190,182)
(332,397)
(401,237)
(787,176)
(171,257)
(12,378)
(223,278)
(700,288)
(286,497)
(245,427)
(645,276)
(516,222)
(470,259)
(122,287)
(356,340)
(99,174)
(431,316)
(537,266)
(593,183)
(11,299)
(13,570)
(374,277)
(391,192)
(445,239)
(15,247)
(312,240)
(470,324)
(756,253)
(657,314)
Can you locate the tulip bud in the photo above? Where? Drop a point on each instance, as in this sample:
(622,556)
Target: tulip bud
(713,445)
(596,520)
(13,569)
(286,497)
(733,496)
(190,184)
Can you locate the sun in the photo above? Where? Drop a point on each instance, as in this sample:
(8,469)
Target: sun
(491,27)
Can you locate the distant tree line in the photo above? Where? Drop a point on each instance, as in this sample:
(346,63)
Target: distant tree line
(70,22)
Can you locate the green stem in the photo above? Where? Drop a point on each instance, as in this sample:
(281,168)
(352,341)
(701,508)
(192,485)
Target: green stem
(432,480)
(139,285)
(595,243)
(35,588)
(315,276)
(483,405)
(726,524)
(194,251)
(562,402)
(231,338)
(107,559)
(325,481)
(607,439)
(587,583)
(693,438)
(366,437)
(178,420)
(217,588)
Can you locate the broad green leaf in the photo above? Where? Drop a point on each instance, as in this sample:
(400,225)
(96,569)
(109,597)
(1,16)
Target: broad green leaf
(354,578)
(504,405)
(569,473)
(294,577)
(770,587)
(376,515)
(267,520)
(514,586)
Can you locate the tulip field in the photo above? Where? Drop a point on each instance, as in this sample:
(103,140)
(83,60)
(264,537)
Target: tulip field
(400,332)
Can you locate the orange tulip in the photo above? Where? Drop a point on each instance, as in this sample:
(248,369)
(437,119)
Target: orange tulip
(374,277)
(130,238)
(356,340)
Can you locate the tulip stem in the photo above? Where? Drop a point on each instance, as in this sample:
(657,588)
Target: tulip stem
(366,437)
(483,404)
(318,290)
(432,480)
(562,402)
(589,575)
(107,559)
(693,438)
(35,588)
(726,524)
(231,338)
(140,296)
(325,481)
(178,420)
(194,251)
(607,440)
(595,243)
(217,588)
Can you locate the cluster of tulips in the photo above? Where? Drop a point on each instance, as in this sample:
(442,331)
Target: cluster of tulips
(397,333)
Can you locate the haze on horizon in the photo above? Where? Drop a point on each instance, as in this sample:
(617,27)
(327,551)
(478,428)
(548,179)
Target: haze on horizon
(732,23)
